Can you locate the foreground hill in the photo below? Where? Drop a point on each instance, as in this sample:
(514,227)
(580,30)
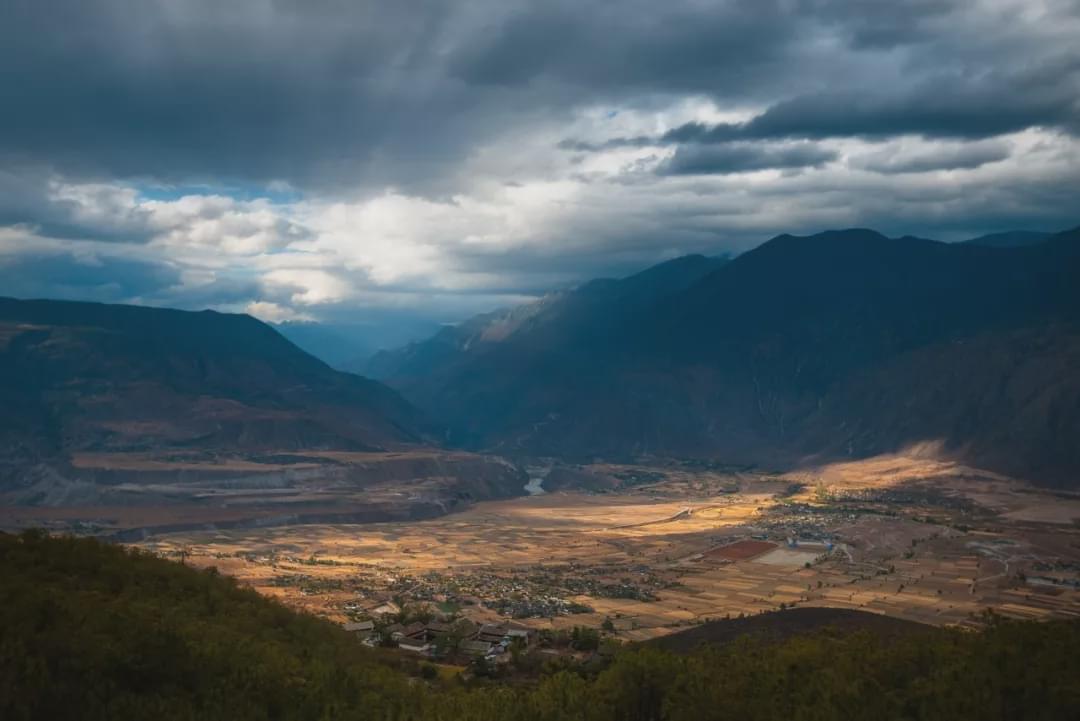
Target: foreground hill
(90,631)
(845,343)
(781,625)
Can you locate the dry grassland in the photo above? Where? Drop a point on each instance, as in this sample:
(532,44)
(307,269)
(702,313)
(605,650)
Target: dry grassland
(947,543)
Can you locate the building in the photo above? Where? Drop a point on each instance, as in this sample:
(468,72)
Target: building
(385,609)
(523,632)
(475,648)
(415,646)
(504,633)
(491,633)
(434,629)
(360,627)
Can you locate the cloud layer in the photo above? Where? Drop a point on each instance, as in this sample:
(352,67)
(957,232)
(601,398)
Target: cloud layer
(339,160)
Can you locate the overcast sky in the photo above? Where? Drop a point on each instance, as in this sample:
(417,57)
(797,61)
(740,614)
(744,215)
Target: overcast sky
(335,159)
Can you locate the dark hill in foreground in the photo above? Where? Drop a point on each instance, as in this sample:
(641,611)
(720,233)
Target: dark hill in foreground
(838,345)
(781,625)
(90,631)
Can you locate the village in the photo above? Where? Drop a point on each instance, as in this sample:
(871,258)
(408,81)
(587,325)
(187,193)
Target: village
(909,539)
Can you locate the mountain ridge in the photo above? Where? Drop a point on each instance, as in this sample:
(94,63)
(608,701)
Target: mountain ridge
(90,376)
(791,351)
(1011,238)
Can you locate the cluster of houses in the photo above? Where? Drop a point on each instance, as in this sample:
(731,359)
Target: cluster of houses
(536,591)
(440,638)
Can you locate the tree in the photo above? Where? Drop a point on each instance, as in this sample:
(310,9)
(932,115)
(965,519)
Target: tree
(636,684)
(563,696)
(584,638)
(482,667)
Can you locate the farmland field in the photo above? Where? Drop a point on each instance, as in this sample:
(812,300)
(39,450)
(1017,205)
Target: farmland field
(907,537)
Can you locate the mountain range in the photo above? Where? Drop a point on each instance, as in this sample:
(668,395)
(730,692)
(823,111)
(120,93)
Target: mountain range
(839,345)
(842,344)
(79,377)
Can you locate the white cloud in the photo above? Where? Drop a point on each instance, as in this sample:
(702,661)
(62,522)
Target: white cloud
(529,217)
(274,313)
(308,287)
(213,221)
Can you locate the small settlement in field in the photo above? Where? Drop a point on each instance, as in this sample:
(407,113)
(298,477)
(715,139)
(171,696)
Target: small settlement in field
(440,635)
(674,546)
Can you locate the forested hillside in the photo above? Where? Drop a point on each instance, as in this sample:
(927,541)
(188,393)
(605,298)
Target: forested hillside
(92,631)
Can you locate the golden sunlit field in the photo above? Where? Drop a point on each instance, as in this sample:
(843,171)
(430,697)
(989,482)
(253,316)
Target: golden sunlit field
(910,537)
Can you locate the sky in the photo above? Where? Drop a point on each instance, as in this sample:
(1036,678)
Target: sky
(343,160)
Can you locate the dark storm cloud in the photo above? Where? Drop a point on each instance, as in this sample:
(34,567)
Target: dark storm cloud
(964,157)
(608,46)
(386,92)
(946,109)
(942,107)
(24,199)
(878,25)
(27,197)
(208,90)
(323,92)
(739,158)
(88,278)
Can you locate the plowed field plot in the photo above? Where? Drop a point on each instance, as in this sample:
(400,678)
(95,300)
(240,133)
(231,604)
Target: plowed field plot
(787,557)
(740,550)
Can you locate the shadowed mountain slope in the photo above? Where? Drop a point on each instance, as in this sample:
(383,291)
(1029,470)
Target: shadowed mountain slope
(845,343)
(92,377)
(583,316)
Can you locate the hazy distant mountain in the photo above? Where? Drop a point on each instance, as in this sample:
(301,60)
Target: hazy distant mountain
(324,342)
(86,376)
(554,320)
(1010,239)
(349,346)
(841,344)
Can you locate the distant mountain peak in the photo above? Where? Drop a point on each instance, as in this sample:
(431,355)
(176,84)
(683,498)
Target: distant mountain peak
(1011,239)
(845,342)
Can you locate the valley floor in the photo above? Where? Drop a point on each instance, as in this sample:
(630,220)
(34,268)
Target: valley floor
(913,538)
